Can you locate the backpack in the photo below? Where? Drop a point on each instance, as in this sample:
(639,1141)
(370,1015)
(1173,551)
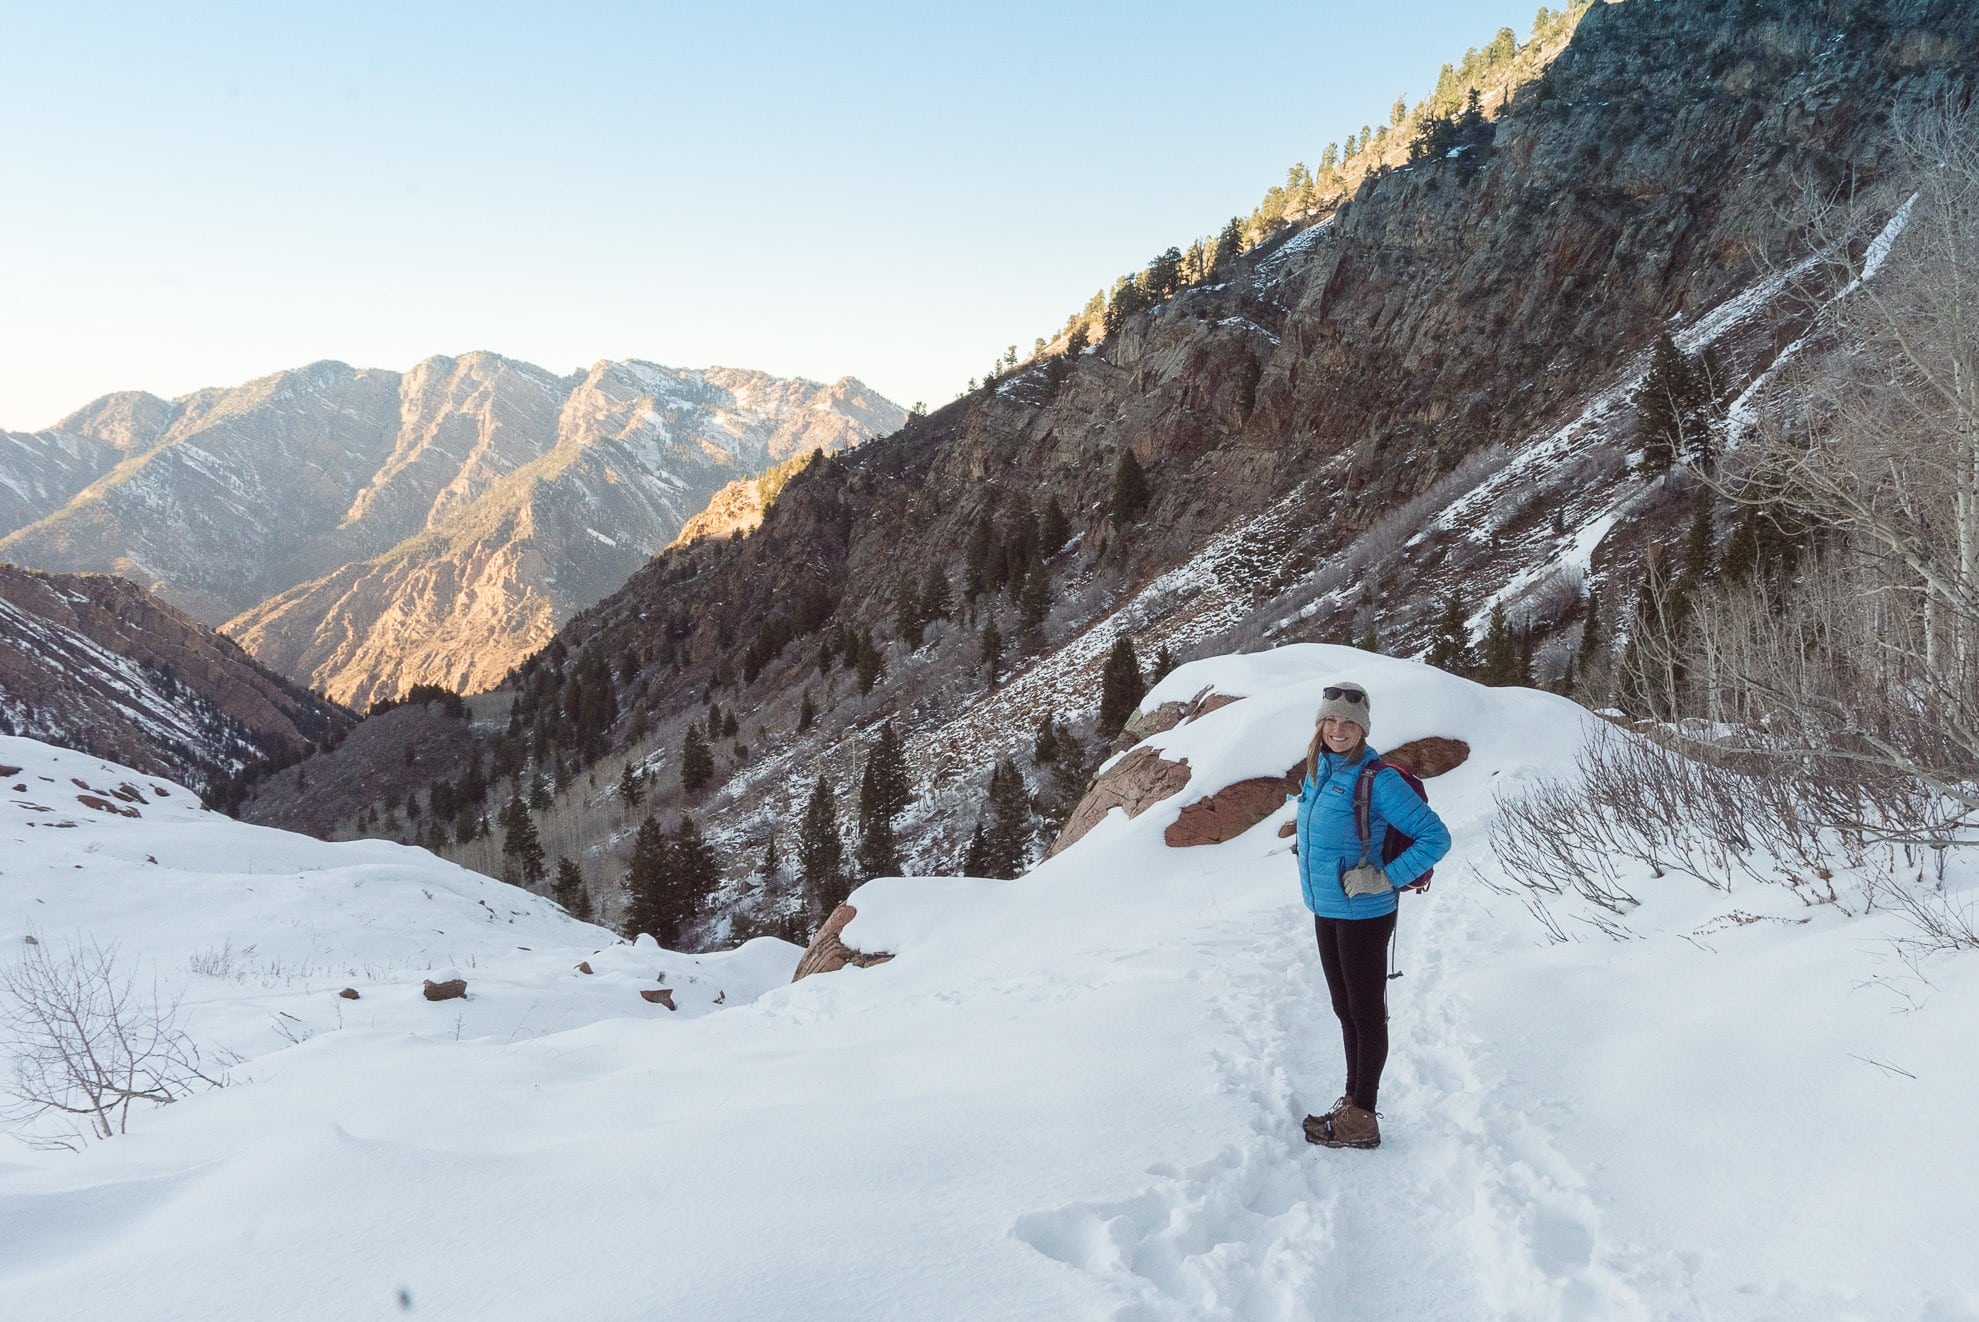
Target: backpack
(1396,842)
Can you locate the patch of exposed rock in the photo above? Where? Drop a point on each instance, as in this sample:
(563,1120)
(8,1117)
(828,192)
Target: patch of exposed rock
(1134,784)
(828,954)
(1155,720)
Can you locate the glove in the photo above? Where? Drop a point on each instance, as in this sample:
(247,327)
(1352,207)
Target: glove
(1365,880)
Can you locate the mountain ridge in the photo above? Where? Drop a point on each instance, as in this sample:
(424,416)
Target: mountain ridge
(290,509)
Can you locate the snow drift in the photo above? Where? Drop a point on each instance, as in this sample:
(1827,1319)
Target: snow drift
(1074,1095)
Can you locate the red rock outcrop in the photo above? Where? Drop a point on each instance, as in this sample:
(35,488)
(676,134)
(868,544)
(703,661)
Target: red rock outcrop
(1232,810)
(1135,783)
(828,954)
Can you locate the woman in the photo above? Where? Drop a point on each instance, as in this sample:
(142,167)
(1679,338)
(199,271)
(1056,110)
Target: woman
(1351,894)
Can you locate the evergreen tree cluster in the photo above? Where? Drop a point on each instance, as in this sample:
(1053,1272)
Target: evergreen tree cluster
(783,626)
(1504,658)
(670,876)
(1006,551)
(461,803)
(919,603)
(1000,845)
(853,649)
(1678,407)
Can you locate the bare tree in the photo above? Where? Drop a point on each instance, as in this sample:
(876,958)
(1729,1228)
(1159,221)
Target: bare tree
(87,1046)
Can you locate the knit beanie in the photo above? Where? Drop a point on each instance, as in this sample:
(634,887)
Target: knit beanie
(1351,705)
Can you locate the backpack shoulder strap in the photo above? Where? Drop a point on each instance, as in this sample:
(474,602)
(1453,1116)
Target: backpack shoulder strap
(1364,804)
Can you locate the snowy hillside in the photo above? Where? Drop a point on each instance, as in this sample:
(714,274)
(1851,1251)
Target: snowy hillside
(1076,1095)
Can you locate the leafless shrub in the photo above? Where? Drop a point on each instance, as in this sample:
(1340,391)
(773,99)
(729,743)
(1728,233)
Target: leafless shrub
(87,1046)
(1937,921)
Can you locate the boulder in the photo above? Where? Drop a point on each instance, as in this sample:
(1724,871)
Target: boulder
(1233,810)
(828,954)
(350,993)
(450,990)
(658,996)
(1143,724)
(1135,783)
(584,966)
(1429,757)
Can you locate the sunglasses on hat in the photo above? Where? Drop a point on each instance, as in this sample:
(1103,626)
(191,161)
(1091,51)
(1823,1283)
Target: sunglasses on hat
(1334,694)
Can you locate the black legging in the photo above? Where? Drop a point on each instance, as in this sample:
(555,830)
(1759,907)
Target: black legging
(1353,953)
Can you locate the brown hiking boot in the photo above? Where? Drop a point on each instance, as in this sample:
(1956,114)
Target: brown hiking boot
(1316,1124)
(1349,1127)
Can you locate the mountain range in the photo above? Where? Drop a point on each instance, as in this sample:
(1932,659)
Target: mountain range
(361,531)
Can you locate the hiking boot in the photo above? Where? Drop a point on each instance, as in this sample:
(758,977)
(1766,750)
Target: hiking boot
(1316,1124)
(1349,1127)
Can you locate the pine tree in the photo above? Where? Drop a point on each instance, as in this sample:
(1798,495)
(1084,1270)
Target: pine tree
(1034,601)
(1070,771)
(991,653)
(1054,529)
(1591,639)
(646,881)
(1130,491)
(1370,639)
(1699,558)
(884,787)
(976,557)
(520,844)
(1450,649)
(1044,744)
(697,763)
(907,618)
(691,879)
(935,604)
(568,889)
(631,787)
(1007,841)
(868,664)
(1662,403)
(1229,246)
(1164,661)
(1121,687)
(878,854)
(975,861)
(1499,665)
(821,852)
(807,712)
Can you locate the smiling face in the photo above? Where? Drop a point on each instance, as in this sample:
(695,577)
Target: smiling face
(1340,735)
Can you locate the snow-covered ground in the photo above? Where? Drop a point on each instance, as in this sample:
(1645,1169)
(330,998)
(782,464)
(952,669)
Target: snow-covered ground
(1076,1095)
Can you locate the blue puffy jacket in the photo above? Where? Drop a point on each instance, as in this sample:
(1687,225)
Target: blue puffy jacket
(1329,844)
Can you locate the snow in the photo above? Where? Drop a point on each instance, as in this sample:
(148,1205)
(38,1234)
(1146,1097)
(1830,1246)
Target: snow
(1074,1095)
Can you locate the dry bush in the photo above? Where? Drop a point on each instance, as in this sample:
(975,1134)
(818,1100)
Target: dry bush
(87,1046)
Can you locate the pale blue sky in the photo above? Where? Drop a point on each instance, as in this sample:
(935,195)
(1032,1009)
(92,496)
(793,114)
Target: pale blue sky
(196,194)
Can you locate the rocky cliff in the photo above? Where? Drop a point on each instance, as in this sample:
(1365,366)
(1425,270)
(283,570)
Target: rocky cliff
(364,530)
(98,664)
